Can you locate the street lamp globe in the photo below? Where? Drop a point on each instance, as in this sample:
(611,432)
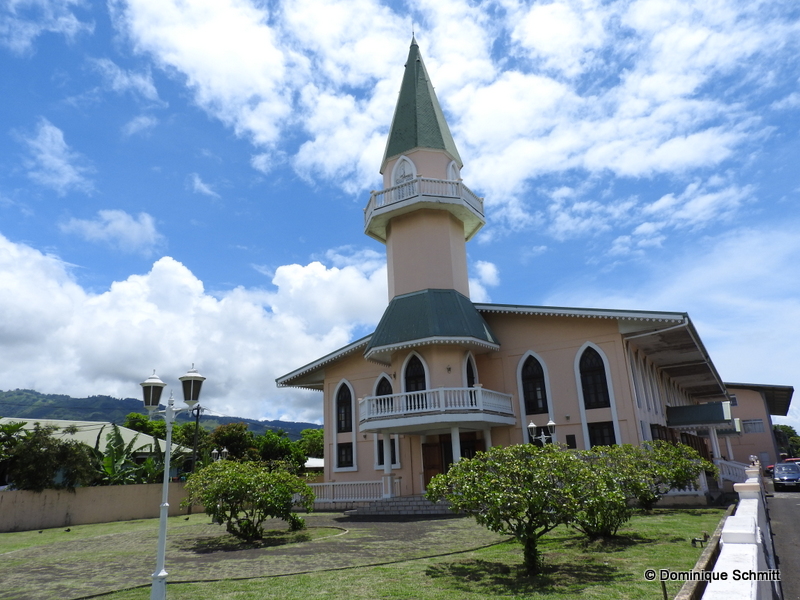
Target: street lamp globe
(152,388)
(191,382)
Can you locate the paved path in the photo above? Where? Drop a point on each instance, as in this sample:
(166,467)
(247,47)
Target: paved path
(784,513)
(74,569)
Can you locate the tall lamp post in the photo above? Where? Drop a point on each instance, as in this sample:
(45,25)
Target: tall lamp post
(542,437)
(152,388)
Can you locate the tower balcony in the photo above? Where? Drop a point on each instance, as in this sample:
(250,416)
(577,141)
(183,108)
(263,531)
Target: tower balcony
(422,192)
(436,409)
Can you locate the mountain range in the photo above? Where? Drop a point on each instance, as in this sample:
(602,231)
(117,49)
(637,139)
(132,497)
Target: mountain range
(29,405)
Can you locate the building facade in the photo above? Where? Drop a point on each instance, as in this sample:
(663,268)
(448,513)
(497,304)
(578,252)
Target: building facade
(442,378)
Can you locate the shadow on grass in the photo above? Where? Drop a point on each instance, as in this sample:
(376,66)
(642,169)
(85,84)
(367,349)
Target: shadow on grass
(498,579)
(229,543)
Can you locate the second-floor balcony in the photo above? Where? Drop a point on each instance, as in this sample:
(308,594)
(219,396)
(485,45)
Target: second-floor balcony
(422,192)
(433,409)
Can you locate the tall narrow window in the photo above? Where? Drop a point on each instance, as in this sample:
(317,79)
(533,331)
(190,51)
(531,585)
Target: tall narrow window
(415,375)
(344,410)
(470,373)
(533,389)
(593,380)
(392,447)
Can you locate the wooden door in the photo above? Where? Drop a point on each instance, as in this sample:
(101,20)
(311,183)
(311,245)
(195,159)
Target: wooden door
(431,461)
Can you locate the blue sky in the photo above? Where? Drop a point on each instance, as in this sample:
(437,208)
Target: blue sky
(184,182)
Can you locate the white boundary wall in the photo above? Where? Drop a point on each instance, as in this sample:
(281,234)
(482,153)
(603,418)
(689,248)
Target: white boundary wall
(746,546)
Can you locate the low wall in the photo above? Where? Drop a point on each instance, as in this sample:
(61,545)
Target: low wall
(22,511)
(746,548)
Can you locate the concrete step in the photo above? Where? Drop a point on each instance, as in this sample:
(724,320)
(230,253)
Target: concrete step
(402,505)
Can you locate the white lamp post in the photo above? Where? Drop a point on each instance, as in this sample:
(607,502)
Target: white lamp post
(152,388)
(543,437)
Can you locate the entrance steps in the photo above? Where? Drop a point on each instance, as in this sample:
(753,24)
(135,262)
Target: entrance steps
(402,506)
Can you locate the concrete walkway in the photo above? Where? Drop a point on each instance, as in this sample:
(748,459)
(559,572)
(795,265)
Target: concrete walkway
(75,569)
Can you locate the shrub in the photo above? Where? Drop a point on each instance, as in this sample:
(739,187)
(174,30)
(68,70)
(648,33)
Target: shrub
(245,494)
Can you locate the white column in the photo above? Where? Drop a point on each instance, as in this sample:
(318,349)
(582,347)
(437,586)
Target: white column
(388,478)
(730,447)
(712,433)
(387,453)
(455,438)
(487,437)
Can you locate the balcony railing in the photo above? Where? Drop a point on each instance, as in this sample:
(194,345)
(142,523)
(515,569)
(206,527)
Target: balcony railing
(421,186)
(350,491)
(439,400)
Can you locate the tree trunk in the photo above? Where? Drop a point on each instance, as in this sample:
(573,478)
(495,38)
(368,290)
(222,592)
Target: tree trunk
(532,559)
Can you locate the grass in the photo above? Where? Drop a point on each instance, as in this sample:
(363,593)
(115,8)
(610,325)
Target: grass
(386,560)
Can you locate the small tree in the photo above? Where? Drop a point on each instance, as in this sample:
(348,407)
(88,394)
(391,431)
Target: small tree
(40,461)
(244,494)
(607,507)
(649,471)
(239,441)
(275,448)
(312,442)
(521,490)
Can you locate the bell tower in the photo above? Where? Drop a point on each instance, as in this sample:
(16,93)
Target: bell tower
(425,214)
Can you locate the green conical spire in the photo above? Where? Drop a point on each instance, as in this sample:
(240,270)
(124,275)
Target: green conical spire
(418,120)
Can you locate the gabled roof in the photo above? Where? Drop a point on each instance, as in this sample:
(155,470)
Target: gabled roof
(777,397)
(428,317)
(86,432)
(418,120)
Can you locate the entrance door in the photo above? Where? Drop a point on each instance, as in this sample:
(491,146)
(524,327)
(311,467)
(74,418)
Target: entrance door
(431,461)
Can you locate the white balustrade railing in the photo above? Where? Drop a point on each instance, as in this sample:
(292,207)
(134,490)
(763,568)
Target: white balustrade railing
(422,186)
(730,470)
(350,491)
(438,400)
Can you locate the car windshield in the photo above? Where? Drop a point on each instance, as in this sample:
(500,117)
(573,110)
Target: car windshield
(790,468)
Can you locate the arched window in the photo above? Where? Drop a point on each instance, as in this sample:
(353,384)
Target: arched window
(593,380)
(344,410)
(384,387)
(403,171)
(533,388)
(415,375)
(471,379)
(452,171)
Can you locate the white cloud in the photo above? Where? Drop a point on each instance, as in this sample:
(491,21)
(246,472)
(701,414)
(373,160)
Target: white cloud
(52,163)
(22,21)
(57,337)
(122,81)
(198,186)
(139,125)
(230,56)
(119,230)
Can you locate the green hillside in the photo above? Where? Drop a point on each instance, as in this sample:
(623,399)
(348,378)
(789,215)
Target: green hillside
(31,405)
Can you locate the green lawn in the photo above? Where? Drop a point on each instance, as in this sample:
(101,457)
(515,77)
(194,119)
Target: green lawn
(452,559)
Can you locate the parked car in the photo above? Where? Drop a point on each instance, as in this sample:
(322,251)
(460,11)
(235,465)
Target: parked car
(768,469)
(786,475)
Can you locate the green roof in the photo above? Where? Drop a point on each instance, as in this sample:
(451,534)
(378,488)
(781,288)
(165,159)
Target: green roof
(418,120)
(429,316)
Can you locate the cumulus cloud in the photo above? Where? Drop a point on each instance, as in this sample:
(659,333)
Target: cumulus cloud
(50,161)
(586,89)
(22,21)
(120,230)
(58,337)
